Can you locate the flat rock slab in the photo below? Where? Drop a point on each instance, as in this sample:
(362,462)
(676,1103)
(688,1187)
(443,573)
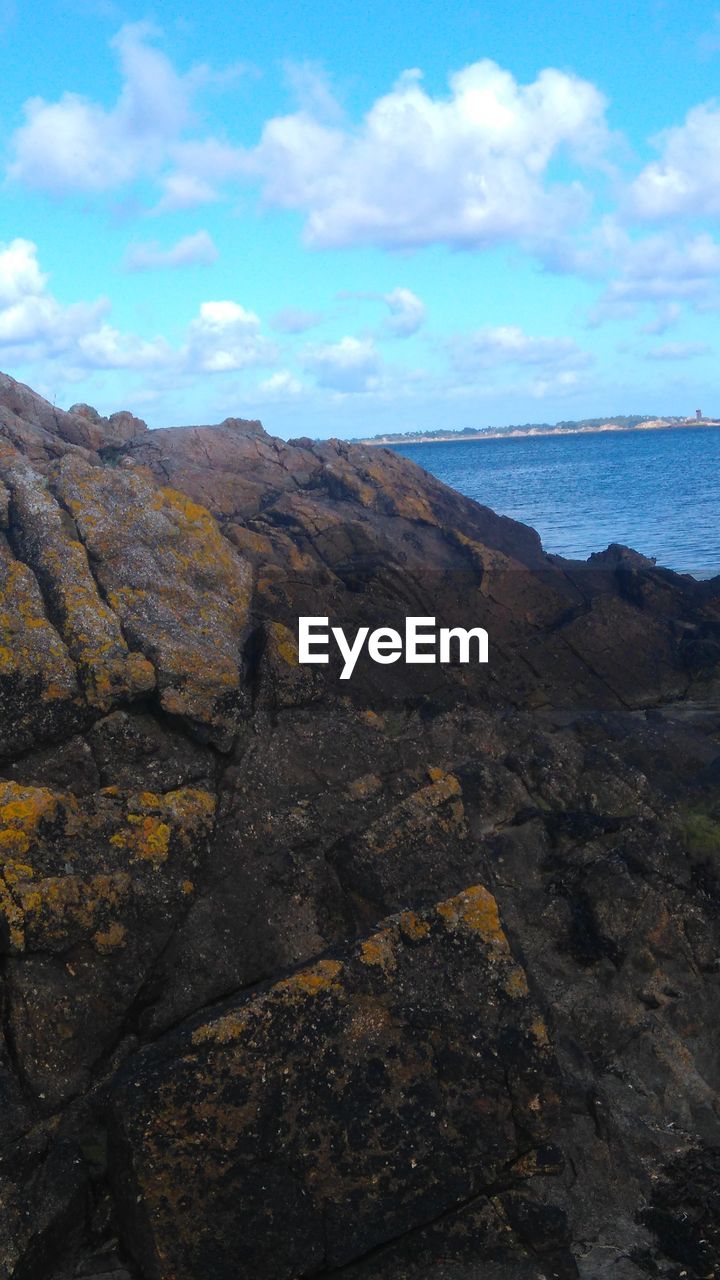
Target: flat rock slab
(345,1105)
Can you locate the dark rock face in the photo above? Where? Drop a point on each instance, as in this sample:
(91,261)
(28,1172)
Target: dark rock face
(314,1102)
(413,975)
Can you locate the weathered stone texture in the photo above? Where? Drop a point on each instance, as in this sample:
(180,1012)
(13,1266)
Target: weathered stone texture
(413,976)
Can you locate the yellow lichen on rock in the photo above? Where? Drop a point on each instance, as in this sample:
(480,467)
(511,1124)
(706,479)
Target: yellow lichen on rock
(146,837)
(32,656)
(413,926)
(380,950)
(106,839)
(437,807)
(106,669)
(110,939)
(323,976)
(367,785)
(185,814)
(61,909)
(284,643)
(22,810)
(476,909)
(179,589)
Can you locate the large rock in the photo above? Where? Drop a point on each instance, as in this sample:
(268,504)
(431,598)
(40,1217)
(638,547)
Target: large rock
(180,592)
(348,1104)
(233,890)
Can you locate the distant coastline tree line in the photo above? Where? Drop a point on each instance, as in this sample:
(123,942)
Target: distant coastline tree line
(626,421)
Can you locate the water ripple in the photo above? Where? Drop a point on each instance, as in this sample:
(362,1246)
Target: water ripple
(656,491)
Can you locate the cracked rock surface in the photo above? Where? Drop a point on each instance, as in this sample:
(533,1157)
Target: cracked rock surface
(409,976)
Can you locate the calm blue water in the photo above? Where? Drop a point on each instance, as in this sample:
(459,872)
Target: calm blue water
(656,491)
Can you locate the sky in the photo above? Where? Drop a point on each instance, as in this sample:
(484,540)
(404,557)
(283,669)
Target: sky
(349,219)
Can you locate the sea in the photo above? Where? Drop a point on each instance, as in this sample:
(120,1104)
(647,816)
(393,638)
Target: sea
(656,491)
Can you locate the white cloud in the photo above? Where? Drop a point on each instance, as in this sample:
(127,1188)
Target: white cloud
(665,269)
(567,382)
(352,364)
(20,274)
(40,327)
(281,384)
(202,166)
(469,169)
(193,250)
(35,327)
(686,178)
(407,312)
(509,345)
(295,320)
(33,324)
(107,348)
(77,145)
(310,86)
(224,336)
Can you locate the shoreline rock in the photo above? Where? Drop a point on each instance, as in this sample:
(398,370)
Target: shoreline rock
(412,975)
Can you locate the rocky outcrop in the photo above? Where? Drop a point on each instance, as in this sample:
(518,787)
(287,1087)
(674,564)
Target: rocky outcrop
(409,975)
(377,1078)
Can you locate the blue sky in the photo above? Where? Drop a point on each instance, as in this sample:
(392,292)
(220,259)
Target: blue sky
(348,220)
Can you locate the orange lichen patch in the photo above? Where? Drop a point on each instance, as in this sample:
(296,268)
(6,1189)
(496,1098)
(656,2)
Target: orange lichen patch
(11,913)
(379,950)
(476,909)
(530,1165)
(184,815)
(422,810)
(413,926)
(282,644)
(516,984)
(110,939)
(184,506)
(323,976)
(13,842)
(445,785)
(367,785)
(187,887)
(373,720)
(30,647)
(413,506)
(248,540)
(191,810)
(539,1031)
(22,811)
(46,913)
(225,1030)
(13,872)
(146,837)
(149,800)
(88,627)
(179,589)
(60,908)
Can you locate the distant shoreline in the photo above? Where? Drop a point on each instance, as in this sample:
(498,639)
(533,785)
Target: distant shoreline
(386,442)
